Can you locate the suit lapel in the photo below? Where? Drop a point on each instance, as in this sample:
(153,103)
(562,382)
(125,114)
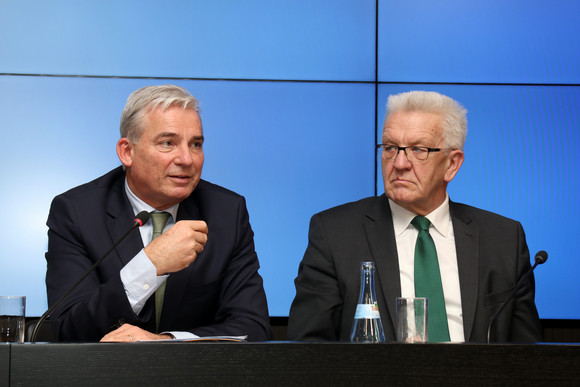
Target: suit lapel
(467,249)
(378,226)
(119,220)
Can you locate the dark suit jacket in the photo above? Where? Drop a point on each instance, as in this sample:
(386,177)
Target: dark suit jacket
(491,252)
(221,293)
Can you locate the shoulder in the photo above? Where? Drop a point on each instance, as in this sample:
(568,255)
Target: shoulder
(212,201)
(98,186)
(209,192)
(88,201)
(224,210)
(372,207)
(467,214)
(204,187)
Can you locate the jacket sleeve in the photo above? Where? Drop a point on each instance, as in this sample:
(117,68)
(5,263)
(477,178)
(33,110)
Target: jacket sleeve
(525,323)
(99,301)
(315,314)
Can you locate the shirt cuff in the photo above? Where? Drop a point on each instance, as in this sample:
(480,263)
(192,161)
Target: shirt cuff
(140,280)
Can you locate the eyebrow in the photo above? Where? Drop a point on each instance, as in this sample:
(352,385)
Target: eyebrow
(166,134)
(418,142)
(171,135)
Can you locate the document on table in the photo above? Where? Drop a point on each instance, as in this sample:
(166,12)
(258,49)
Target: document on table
(236,339)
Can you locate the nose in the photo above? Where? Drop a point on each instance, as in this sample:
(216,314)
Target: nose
(184,156)
(401,161)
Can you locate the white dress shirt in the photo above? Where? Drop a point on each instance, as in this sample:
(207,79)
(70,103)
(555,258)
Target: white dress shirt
(139,276)
(441,230)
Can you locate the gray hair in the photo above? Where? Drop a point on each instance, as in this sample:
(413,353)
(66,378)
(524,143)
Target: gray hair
(147,99)
(454,115)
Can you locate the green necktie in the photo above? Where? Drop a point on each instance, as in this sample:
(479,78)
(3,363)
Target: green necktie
(428,281)
(159,220)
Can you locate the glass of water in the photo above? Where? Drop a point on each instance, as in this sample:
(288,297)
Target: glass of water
(412,320)
(12,319)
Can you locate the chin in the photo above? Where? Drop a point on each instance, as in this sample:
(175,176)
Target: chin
(179,194)
(404,200)
(401,194)
(183,195)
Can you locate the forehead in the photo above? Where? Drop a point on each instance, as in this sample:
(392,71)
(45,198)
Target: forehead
(173,119)
(413,126)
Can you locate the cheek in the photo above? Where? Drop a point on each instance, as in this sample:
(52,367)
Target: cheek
(387,168)
(430,178)
(198,161)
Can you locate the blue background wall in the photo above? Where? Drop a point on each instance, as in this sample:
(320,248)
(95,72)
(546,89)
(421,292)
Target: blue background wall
(292,96)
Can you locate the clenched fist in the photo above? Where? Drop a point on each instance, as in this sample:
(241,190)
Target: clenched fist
(178,247)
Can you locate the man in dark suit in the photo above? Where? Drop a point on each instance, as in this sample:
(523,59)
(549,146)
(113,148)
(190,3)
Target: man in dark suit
(198,278)
(481,255)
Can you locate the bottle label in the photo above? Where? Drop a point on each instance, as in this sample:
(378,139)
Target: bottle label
(367,311)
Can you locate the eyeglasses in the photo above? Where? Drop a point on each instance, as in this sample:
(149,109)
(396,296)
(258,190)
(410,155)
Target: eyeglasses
(413,153)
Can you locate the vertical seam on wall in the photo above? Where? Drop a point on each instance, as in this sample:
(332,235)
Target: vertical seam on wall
(376,93)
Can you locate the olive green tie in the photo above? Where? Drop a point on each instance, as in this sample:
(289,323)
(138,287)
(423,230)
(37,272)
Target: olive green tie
(428,281)
(159,220)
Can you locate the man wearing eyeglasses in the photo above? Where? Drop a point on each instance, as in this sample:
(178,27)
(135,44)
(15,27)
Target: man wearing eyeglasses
(478,256)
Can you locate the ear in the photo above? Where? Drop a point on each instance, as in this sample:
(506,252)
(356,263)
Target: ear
(125,152)
(455,160)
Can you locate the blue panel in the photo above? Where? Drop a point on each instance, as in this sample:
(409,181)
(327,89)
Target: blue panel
(254,39)
(292,149)
(295,148)
(479,41)
(522,152)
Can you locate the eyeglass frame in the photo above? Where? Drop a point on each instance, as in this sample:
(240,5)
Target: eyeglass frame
(404,149)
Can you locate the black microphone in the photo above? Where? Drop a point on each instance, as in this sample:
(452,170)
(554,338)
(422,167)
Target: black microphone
(539,259)
(141,219)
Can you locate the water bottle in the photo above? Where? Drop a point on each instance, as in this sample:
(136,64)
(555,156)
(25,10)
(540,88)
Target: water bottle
(367,326)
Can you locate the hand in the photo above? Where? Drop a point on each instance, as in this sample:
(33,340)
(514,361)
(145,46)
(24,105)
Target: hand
(178,247)
(131,333)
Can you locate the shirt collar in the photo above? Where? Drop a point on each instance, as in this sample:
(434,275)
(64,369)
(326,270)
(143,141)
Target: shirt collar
(439,218)
(139,205)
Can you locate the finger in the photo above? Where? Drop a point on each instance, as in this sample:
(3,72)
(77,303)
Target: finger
(200,238)
(198,225)
(117,338)
(125,333)
(198,248)
(126,327)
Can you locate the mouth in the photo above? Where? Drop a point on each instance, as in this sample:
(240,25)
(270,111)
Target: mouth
(181,179)
(400,181)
